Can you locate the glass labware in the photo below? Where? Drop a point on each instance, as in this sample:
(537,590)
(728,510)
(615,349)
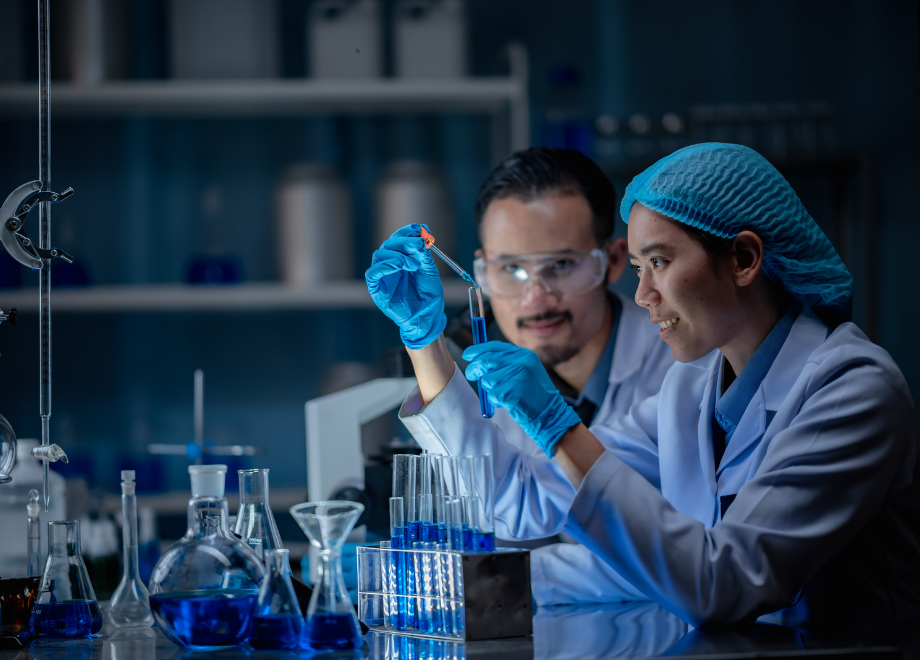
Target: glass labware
(130,607)
(278,623)
(204,589)
(255,524)
(331,624)
(7,450)
(66,603)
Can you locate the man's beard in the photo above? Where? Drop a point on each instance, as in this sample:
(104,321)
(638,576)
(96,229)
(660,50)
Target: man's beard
(551,356)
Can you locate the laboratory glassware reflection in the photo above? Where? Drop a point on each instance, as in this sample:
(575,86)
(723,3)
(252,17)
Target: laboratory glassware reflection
(66,604)
(331,624)
(203,591)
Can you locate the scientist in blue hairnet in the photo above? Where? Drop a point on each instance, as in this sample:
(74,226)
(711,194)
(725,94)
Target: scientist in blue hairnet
(778,464)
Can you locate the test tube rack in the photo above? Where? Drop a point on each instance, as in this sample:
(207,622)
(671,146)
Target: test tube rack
(445,594)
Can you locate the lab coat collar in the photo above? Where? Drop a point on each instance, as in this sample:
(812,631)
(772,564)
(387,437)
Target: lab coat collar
(807,333)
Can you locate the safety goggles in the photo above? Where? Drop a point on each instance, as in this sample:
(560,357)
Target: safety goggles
(559,273)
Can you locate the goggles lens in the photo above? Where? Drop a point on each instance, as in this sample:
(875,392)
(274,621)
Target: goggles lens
(559,273)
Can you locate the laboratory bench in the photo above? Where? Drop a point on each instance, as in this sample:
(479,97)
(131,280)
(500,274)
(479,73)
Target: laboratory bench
(623,630)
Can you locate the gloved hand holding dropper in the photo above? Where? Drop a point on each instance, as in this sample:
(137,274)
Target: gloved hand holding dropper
(403,282)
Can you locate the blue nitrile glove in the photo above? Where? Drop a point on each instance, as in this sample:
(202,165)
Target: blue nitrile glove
(516,380)
(404,283)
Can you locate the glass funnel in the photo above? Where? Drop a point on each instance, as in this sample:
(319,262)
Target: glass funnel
(278,623)
(203,591)
(255,524)
(66,604)
(331,624)
(7,450)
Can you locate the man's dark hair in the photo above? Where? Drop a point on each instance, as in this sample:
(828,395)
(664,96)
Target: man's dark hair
(533,173)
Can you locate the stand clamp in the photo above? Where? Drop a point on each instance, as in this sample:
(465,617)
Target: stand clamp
(12,232)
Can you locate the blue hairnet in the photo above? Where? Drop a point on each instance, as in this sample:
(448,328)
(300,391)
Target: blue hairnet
(727,188)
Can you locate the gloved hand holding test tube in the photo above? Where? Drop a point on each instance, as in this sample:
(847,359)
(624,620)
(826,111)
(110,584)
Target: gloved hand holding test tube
(477,314)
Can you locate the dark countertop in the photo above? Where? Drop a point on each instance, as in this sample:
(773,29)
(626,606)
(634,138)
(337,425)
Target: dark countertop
(625,630)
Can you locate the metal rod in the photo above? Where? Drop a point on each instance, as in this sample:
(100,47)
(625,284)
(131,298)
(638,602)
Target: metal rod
(44,238)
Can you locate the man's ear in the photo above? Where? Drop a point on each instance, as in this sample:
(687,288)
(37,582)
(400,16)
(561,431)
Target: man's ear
(747,251)
(616,259)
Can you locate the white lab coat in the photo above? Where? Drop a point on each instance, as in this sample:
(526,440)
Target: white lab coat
(827,495)
(532,493)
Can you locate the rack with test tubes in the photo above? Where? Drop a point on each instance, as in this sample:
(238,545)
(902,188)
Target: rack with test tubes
(426,580)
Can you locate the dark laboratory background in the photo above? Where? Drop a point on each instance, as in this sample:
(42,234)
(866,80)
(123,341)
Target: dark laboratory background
(203,196)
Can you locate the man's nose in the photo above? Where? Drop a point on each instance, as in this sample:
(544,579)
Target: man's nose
(537,295)
(646,293)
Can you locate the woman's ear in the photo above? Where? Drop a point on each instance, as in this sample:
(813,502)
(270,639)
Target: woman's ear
(747,253)
(616,259)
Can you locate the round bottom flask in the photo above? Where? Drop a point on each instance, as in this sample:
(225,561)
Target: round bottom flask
(331,623)
(204,589)
(66,604)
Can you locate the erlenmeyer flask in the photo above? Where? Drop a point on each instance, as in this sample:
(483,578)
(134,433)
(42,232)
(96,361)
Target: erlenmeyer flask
(66,604)
(278,623)
(255,524)
(331,623)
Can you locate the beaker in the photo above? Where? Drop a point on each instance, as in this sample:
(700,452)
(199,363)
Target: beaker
(66,604)
(255,524)
(204,589)
(278,623)
(331,623)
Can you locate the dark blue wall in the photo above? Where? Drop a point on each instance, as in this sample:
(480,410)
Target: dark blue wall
(123,380)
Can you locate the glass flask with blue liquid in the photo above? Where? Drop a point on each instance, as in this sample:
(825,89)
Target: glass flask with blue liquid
(278,623)
(204,589)
(66,604)
(331,623)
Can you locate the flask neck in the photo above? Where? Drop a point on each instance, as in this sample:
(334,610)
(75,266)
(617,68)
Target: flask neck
(207,517)
(129,532)
(253,486)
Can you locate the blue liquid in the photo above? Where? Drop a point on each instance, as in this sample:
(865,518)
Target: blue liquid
(336,632)
(468,539)
(484,541)
(429,533)
(205,619)
(415,531)
(442,535)
(67,618)
(398,566)
(276,631)
(479,337)
(456,538)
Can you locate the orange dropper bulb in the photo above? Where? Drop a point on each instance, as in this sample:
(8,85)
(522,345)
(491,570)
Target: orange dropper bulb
(429,239)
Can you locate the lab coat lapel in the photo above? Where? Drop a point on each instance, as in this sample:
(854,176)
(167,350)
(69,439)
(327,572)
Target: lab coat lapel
(630,349)
(693,492)
(806,334)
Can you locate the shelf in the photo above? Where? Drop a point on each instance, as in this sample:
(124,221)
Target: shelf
(237,98)
(226,298)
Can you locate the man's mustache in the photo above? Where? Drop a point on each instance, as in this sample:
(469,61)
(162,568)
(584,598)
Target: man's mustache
(546,316)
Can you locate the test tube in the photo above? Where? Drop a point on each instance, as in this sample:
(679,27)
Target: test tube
(404,489)
(438,494)
(397,564)
(34,534)
(477,317)
(483,480)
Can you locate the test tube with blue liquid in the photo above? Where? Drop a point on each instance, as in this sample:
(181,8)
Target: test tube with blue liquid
(397,567)
(404,482)
(478,320)
(483,503)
